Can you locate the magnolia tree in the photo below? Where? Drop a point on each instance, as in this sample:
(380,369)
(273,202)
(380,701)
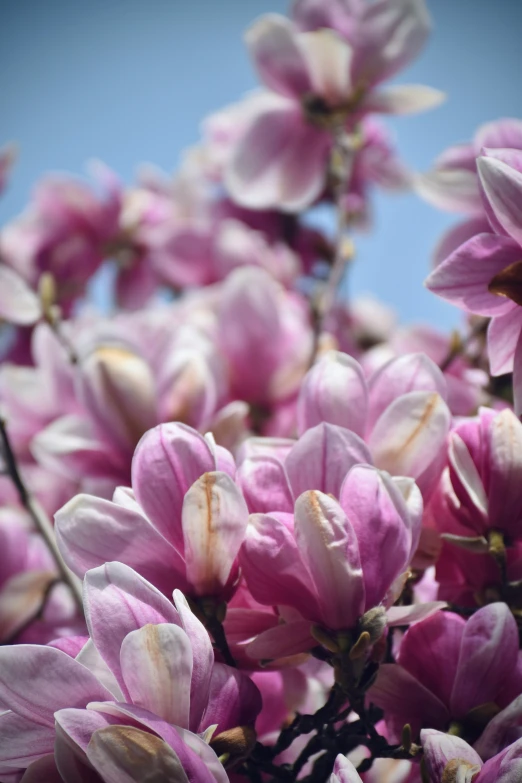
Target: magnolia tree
(250,531)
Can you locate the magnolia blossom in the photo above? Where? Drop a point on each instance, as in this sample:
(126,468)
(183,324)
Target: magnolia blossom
(455,675)
(317,82)
(181,526)
(480,276)
(144,686)
(327,565)
(454,184)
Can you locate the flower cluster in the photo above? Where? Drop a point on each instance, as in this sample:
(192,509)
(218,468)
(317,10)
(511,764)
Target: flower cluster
(250,530)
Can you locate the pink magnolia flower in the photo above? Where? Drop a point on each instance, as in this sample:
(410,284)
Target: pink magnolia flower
(480,276)
(324,567)
(400,413)
(65,232)
(454,184)
(180,527)
(450,759)
(145,683)
(485,470)
(452,673)
(316,83)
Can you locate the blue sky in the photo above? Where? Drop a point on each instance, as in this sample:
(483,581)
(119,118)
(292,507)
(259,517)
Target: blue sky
(128,81)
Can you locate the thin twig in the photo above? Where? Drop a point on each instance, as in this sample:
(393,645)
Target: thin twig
(38,515)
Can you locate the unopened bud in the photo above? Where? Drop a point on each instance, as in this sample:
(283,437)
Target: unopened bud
(374,621)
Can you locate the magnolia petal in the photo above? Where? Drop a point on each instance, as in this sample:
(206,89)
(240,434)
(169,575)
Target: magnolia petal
(463,278)
(333,391)
(322,457)
(167,461)
(282,641)
(465,472)
(124,754)
(279,162)
(18,303)
(503,336)
(214,519)
(117,601)
(117,388)
(344,772)
(156,664)
(406,615)
(22,741)
(272,566)
(451,189)
(501,731)
(412,372)
(91,531)
(440,748)
(265,485)
(30,695)
(502,186)
(505,471)
(328,58)
(409,438)
(202,659)
(233,700)
(378,514)
(273,45)
(488,655)
(405,700)
(328,546)
(403,99)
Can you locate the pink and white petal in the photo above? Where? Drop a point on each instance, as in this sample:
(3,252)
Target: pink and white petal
(125,754)
(282,641)
(502,730)
(117,388)
(35,681)
(379,517)
(517,378)
(214,519)
(167,461)
(457,236)
(279,162)
(503,336)
(466,479)
(265,485)
(412,372)
(233,700)
(91,531)
(333,391)
(89,657)
(502,187)
(22,741)
(156,665)
(322,457)
(18,303)
(117,601)
(329,549)
(454,190)
(75,727)
(405,700)
(488,655)
(440,748)
(225,461)
(412,496)
(206,755)
(202,658)
(403,99)
(463,278)
(423,647)
(272,566)
(505,471)
(389,36)
(21,598)
(328,58)
(499,134)
(410,436)
(407,615)
(273,45)
(344,772)
(506,767)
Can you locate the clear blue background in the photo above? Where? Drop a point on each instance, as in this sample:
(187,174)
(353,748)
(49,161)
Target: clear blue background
(129,81)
